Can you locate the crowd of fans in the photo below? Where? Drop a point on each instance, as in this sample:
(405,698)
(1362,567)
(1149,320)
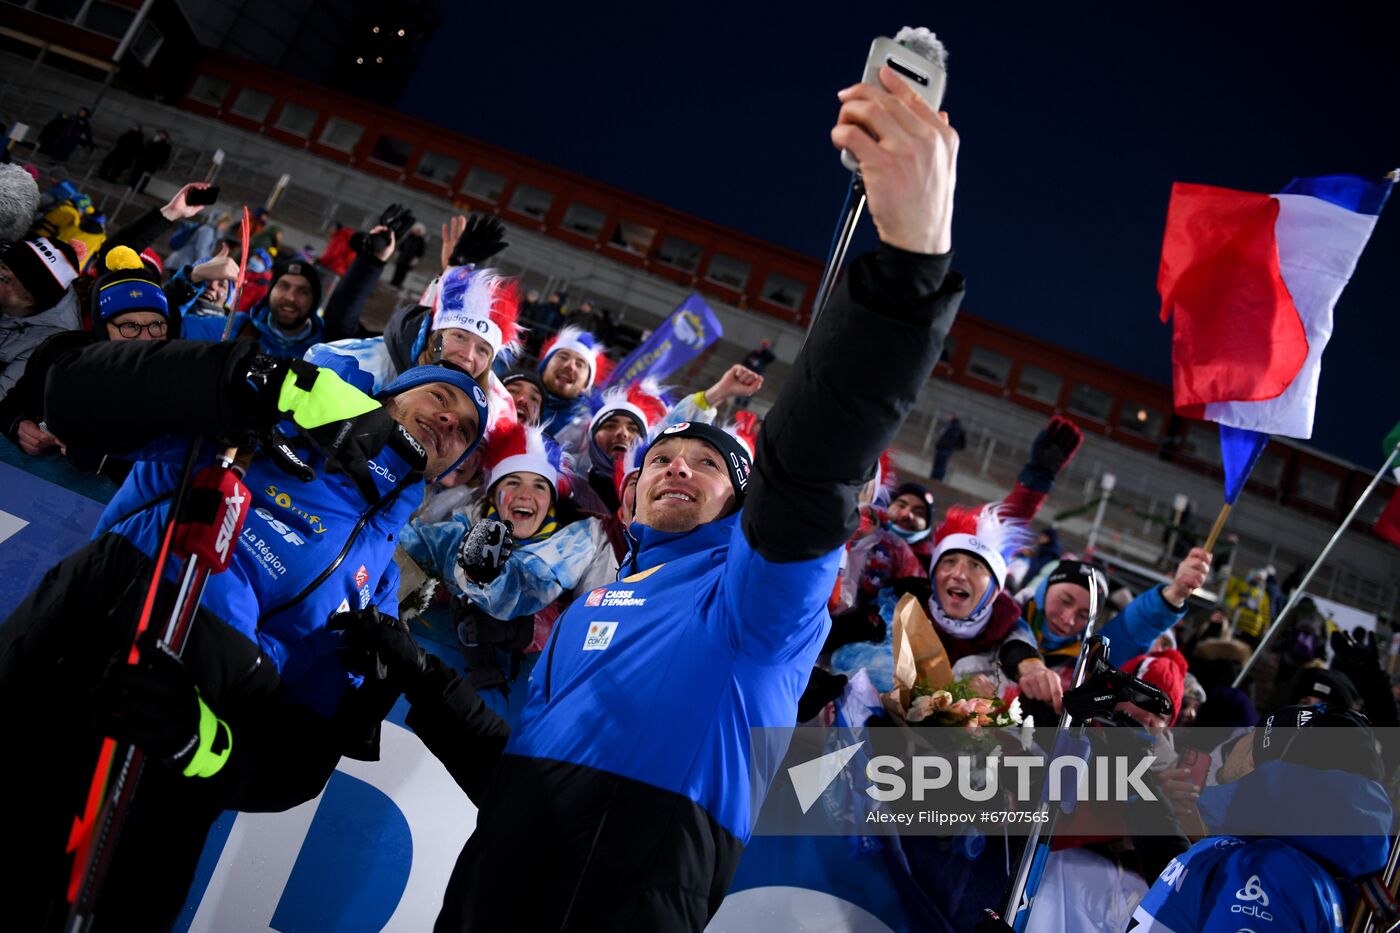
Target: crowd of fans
(557,474)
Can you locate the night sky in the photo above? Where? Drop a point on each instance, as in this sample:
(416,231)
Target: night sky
(1075,120)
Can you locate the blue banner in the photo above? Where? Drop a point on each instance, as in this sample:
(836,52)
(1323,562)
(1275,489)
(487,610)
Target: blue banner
(1239,451)
(681,338)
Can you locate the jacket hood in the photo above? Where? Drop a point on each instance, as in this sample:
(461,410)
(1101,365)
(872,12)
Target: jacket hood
(1353,809)
(401,333)
(61,316)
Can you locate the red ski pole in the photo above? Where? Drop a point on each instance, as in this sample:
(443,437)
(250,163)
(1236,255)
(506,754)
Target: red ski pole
(205,536)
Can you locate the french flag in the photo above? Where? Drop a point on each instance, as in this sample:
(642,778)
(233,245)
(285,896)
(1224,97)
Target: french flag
(1249,282)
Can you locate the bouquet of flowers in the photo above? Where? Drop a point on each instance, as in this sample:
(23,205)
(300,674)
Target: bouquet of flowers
(956,704)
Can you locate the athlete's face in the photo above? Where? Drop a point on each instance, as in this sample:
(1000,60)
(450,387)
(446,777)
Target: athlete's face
(441,418)
(683,485)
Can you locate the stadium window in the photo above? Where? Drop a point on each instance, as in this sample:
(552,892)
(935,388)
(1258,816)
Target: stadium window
(1140,420)
(66,10)
(584,220)
(949,347)
(679,254)
(1318,487)
(533,202)
(297,120)
(439,168)
(485,185)
(726,270)
(1269,469)
(1039,384)
(784,291)
(632,237)
(1090,402)
(252,104)
(341,134)
(109,19)
(391,151)
(210,90)
(989,366)
(1202,442)
(147,43)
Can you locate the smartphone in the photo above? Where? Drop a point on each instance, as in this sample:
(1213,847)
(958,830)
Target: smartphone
(1197,764)
(923,75)
(208,195)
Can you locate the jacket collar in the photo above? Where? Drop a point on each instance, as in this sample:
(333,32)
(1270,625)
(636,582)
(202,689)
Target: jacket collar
(651,547)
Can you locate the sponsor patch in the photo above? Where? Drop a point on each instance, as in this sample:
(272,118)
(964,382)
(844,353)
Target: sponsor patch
(677,428)
(600,635)
(595,597)
(361,576)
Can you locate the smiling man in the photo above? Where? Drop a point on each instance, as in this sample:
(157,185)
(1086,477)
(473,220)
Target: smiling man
(285,321)
(627,791)
(261,707)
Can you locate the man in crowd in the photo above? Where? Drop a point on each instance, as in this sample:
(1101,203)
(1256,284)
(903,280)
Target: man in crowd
(36,301)
(260,708)
(632,808)
(569,367)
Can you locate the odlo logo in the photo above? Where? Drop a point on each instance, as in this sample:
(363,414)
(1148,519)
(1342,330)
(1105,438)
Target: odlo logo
(233,510)
(376,468)
(1252,891)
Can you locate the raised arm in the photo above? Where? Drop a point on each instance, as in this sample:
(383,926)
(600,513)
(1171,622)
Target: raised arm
(868,354)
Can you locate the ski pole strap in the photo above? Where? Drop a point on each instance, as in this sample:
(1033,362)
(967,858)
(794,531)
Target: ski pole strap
(213,746)
(1379,898)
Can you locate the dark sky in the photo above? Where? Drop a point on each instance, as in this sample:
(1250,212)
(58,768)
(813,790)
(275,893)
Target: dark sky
(1075,120)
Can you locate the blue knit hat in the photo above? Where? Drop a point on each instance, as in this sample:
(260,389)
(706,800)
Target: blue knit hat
(452,375)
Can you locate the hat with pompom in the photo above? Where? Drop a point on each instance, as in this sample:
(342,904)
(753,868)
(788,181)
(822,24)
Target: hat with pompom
(130,284)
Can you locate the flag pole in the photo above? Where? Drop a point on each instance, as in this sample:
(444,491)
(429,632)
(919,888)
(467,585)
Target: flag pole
(1298,591)
(1217,527)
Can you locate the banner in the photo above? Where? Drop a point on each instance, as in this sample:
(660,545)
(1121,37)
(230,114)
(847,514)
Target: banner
(681,338)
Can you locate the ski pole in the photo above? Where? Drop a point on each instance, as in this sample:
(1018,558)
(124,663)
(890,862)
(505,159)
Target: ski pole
(204,535)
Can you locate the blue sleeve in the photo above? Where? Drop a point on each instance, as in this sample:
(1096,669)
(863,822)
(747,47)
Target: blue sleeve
(386,595)
(1132,631)
(775,612)
(342,364)
(434,546)
(1267,884)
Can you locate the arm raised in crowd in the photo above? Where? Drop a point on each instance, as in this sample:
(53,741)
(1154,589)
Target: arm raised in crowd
(152,225)
(871,351)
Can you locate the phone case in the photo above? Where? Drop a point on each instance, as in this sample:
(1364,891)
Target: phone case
(923,75)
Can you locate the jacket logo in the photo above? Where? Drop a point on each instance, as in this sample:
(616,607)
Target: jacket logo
(376,468)
(595,597)
(1252,891)
(600,635)
(361,576)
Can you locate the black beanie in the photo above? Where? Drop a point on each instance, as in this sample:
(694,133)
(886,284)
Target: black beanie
(1334,687)
(303,268)
(45,267)
(736,456)
(918,491)
(1079,573)
(522,375)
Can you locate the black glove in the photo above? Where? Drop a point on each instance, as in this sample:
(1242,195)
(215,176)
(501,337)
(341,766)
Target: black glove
(397,218)
(822,688)
(379,647)
(483,238)
(485,550)
(155,705)
(1360,662)
(1052,448)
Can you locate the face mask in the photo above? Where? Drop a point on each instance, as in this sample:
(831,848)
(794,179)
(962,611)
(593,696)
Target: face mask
(910,537)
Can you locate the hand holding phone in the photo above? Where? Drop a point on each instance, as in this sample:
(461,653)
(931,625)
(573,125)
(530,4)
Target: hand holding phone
(1197,765)
(926,77)
(203,196)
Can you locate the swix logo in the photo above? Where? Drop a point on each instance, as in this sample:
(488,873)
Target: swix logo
(376,468)
(1252,891)
(233,512)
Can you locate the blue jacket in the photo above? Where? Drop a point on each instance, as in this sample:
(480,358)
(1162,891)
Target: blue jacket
(707,639)
(1249,879)
(292,532)
(275,343)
